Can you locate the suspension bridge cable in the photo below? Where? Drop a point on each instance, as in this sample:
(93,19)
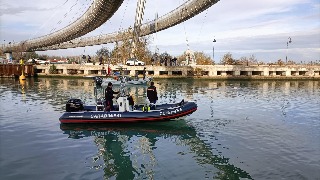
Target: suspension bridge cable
(83,5)
(185,29)
(65,15)
(123,14)
(49,19)
(202,26)
(103,28)
(156,26)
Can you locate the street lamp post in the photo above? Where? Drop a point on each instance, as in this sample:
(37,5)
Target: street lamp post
(287,49)
(214,40)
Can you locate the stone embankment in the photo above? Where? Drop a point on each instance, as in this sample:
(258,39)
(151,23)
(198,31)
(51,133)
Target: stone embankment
(198,71)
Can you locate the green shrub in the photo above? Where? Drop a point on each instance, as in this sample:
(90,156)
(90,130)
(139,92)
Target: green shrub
(53,69)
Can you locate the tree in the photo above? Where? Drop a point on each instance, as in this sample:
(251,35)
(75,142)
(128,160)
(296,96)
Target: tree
(290,62)
(122,49)
(244,60)
(141,50)
(253,59)
(181,59)
(125,49)
(31,55)
(19,52)
(228,59)
(104,51)
(202,58)
(43,57)
(280,62)
(164,55)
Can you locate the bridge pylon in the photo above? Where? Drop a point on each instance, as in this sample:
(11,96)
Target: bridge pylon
(137,23)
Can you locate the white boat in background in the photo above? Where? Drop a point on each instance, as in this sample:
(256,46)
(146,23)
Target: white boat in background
(126,80)
(120,80)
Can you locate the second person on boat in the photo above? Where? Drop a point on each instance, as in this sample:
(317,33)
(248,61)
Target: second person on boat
(109,96)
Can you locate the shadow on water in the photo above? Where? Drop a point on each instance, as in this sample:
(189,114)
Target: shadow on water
(123,163)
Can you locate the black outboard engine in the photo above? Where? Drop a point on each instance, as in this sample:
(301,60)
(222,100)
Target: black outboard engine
(181,103)
(100,104)
(74,105)
(98,81)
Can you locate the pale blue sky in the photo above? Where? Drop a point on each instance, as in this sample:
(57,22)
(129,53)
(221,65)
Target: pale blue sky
(241,27)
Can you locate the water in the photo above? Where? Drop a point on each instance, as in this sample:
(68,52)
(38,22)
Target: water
(241,130)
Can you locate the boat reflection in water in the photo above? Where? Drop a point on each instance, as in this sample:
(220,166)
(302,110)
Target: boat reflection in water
(153,151)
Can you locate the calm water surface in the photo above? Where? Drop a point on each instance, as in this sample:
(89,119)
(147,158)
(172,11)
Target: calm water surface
(241,130)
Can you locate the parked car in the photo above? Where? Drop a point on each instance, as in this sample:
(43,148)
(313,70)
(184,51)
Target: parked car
(132,62)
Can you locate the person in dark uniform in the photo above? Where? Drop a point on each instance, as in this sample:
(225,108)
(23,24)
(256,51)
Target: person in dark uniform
(109,96)
(100,59)
(152,93)
(84,58)
(137,76)
(144,73)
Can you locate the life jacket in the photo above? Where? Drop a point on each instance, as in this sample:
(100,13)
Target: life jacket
(146,108)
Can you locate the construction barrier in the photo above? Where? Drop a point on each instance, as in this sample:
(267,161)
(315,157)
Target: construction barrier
(15,69)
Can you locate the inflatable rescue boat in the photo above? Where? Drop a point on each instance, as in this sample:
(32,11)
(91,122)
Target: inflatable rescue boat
(124,111)
(76,112)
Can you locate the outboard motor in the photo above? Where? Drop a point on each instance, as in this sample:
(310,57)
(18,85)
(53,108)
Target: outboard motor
(181,103)
(74,105)
(100,104)
(98,81)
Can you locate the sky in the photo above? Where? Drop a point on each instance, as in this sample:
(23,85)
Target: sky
(242,28)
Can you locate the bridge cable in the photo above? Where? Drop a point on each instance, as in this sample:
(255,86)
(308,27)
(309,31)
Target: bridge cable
(156,26)
(65,15)
(49,19)
(185,29)
(125,9)
(82,12)
(202,26)
(103,28)
(82,6)
(123,14)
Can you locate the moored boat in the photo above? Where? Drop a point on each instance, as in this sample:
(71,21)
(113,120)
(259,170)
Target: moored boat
(126,80)
(124,113)
(120,80)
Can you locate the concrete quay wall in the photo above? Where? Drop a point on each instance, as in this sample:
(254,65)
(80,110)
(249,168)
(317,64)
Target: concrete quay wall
(210,71)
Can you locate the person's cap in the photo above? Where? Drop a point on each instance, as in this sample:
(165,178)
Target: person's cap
(110,83)
(152,83)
